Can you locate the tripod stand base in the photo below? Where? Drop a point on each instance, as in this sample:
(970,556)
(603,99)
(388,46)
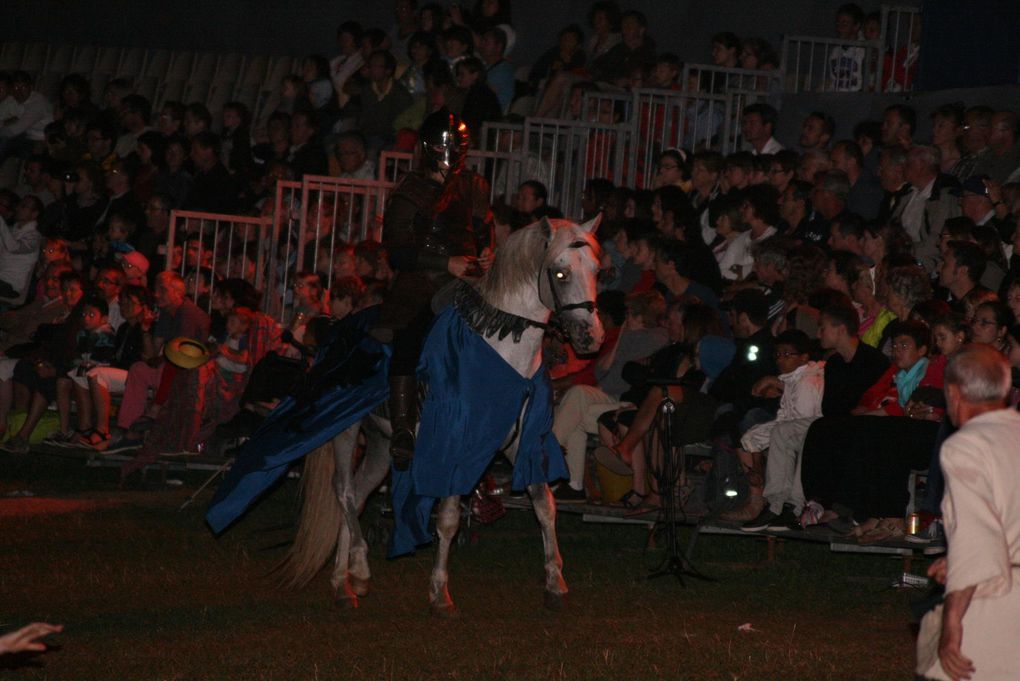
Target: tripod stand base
(678,567)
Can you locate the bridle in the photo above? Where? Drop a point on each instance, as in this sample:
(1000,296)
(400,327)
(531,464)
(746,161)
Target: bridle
(558,305)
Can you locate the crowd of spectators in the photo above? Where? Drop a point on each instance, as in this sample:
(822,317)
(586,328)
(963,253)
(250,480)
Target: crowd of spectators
(795,287)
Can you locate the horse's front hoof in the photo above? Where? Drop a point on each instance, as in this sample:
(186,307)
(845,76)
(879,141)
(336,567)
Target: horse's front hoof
(554,601)
(444,611)
(346,602)
(360,586)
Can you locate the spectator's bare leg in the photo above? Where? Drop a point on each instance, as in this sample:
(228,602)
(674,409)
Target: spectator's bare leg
(84,400)
(64,403)
(6,402)
(101,401)
(552,98)
(36,409)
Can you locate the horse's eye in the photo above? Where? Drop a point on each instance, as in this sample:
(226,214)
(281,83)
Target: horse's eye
(562,276)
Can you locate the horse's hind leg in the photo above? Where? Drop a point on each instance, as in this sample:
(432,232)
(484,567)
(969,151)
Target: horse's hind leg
(344,444)
(447,523)
(545,511)
(371,472)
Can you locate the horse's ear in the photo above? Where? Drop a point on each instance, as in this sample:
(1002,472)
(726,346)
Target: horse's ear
(546,227)
(592,225)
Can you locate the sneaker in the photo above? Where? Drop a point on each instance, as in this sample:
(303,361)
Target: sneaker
(749,511)
(760,522)
(15,445)
(928,535)
(786,520)
(565,494)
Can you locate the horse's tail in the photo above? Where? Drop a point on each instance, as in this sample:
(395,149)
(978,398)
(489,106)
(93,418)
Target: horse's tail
(319,524)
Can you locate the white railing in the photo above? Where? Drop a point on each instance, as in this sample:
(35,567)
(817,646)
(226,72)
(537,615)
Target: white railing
(900,47)
(713,79)
(813,64)
(607,107)
(501,136)
(393,165)
(229,246)
(565,154)
(338,211)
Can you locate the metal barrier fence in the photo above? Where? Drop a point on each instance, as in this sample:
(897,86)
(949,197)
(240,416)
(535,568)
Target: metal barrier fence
(213,243)
(812,64)
(713,79)
(571,152)
(502,136)
(607,107)
(336,211)
(900,48)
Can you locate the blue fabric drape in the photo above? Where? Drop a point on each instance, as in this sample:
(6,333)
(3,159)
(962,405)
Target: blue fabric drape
(473,402)
(348,380)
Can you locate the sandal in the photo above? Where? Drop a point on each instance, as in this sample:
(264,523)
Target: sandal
(59,439)
(632,500)
(612,460)
(97,440)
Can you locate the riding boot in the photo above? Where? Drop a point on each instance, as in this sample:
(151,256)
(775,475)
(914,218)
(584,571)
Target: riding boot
(403,407)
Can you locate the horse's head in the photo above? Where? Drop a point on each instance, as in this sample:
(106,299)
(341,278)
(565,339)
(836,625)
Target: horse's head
(567,280)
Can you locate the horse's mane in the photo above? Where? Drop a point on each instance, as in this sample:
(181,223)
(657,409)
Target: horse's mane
(517,263)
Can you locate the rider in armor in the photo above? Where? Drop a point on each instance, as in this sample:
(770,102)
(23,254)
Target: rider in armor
(437,228)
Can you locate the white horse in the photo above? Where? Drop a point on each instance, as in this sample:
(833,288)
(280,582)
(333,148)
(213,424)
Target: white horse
(548,267)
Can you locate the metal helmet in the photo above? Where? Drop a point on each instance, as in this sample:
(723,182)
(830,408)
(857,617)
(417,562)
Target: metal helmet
(443,141)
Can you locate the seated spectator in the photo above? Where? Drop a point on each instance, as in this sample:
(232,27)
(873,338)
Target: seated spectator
(38,175)
(174,181)
(760,212)
(19,249)
(828,201)
(624,431)
(800,384)
(197,119)
(277,146)
(737,171)
(899,124)
(862,462)
(568,56)
(171,119)
(812,163)
(423,55)
(99,139)
(309,302)
(817,130)
(492,49)
(382,102)
(706,170)
(350,159)
(315,73)
(636,49)
(235,150)
(578,411)
(726,50)
(151,155)
(783,169)
(135,112)
(213,189)
(849,371)
(349,61)
(991,323)
(758,126)
(672,170)
(457,44)
(26,114)
(947,126)
(728,226)
(306,156)
(673,262)
(531,199)
(93,346)
(132,343)
(1003,155)
(865,197)
(178,316)
(123,202)
(794,208)
(962,268)
(481,103)
(345,296)
(875,316)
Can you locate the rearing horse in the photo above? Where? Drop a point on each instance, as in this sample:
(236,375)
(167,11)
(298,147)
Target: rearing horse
(548,267)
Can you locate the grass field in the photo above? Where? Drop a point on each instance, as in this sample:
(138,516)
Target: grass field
(146,592)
